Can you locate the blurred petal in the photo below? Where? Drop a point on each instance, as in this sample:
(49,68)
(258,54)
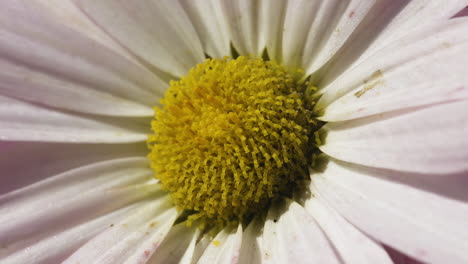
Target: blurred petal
(424,68)
(159,33)
(24,163)
(291,235)
(410,220)
(48,63)
(21,121)
(427,140)
(225,248)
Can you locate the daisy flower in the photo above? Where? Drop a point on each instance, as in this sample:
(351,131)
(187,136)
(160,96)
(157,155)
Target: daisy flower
(242,131)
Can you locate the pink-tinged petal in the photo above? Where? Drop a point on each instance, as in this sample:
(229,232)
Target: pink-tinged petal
(60,202)
(56,248)
(22,121)
(225,248)
(413,221)
(159,33)
(426,140)
(132,240)
(208,20)
(351,244)
(388,20)
(291,235)
(24,163)
(46,62)
(424,68)
(177,247)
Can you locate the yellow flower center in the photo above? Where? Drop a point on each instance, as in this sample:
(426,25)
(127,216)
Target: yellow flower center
(232,135)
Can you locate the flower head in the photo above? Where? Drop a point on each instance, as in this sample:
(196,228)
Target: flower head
(283,131)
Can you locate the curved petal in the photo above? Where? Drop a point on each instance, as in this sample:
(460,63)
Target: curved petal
(133,240)
(386,21)
(291,235)
(225,248)
(423,68)
(56,248)
(272,15)
(159,33)
(48,63)
(21,121)
(179,243)
(23,163)
(71,198)
(208,20)
(427,140)
(352,245)
(408,219)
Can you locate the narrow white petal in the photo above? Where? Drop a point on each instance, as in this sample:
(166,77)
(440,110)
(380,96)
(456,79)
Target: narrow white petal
(200,247)
(159,33)
(56,248)
(242,18)
(46,62)
(225,248)
(425,225)
(252,243)
(428,140)
(22,121)
(272,13)
(291,235)
(180,241)
(424,68)
(352,245)
(71,198)
(133,240)
(315,30)
(24,163)
(208,20)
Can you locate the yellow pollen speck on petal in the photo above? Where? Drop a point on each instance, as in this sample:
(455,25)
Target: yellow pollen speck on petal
(216,243)
(231,136)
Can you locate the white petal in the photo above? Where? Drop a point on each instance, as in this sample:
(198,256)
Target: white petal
(48,63)
(71,198)
(315,30)
(21,121)
(157,32)
(209,22)
(56,248)
(352,245)
(421,224)
(387,20)
(200,247)
(423,68)
(252,243)
(180,241)
(410,17)
(132,240)
(225,248)
(427,140)
(242,18)
(67,13)
(23,163)
(272,13)
(291,235)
